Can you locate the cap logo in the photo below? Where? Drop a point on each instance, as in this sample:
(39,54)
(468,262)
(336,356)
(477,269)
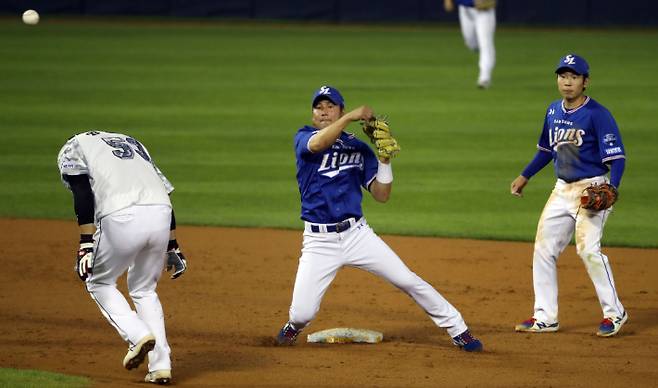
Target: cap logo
(324,90)
(570,60)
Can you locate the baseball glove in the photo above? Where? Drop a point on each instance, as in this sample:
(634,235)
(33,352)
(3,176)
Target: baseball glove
(380,135)
(484,5)
(599,197)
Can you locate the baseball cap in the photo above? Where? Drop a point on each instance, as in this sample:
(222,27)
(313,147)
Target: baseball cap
(573,62)
(330,93)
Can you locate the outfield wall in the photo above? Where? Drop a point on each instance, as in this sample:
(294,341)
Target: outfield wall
(549,12)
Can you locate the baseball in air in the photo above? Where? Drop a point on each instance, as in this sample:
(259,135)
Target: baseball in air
(30,17)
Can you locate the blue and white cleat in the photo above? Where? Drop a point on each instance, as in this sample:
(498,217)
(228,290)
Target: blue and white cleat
(611,325)
(467,342)
(287,335)
(534,326)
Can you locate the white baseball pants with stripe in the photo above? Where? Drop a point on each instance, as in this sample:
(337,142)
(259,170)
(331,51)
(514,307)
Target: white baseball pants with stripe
(134,240)
(562,216)
(478,27)
(323,254)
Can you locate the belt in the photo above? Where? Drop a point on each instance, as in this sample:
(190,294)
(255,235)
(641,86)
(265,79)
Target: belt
(331,228)
(578,179)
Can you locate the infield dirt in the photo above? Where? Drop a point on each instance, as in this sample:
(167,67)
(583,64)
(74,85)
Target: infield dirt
(222,315)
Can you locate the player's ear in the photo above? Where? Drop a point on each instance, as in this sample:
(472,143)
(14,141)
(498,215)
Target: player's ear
(585,82)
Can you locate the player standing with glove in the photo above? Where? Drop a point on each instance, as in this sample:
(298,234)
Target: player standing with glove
(126,224)
(582,138)
(332,168)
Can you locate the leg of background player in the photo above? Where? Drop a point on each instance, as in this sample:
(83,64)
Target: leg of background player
(467,23)
(485,27)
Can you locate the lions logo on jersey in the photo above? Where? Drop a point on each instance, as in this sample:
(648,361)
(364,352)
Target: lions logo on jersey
(335,162)
(559,136)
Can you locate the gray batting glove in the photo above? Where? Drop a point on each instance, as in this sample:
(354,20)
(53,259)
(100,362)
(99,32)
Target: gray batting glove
(176,261)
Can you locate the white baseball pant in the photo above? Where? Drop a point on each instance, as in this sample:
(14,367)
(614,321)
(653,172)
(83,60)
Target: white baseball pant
(478,27)
(323,254)
(561,217)
(133,239)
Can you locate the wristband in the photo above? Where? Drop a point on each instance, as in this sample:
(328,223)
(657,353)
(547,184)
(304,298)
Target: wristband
(384,173)
(173,244)
(86,238)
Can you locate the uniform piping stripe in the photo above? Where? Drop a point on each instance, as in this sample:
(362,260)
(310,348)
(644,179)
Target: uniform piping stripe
(574,110)
(309,141)
(370,182)
(543,149)
(613,158)
(607,271)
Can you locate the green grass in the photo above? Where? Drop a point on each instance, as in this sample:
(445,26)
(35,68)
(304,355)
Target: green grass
(11,378)
(218,104)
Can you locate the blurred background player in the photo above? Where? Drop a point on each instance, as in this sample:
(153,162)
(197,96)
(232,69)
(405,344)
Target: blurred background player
(477,19)
(127,223)
(582,138)
(332,168)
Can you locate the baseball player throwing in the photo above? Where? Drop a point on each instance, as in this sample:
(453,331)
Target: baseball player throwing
(332,168)
(126,224)
(582,139)
(477,19)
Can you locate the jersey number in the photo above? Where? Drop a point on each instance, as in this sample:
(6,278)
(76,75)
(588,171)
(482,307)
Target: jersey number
(125,149)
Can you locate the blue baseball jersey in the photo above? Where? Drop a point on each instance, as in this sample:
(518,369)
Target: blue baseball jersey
(330,182)
(466,3)
(581,140)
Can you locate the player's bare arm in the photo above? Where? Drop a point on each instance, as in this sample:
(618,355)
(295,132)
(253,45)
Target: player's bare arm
(380,191)
(329,118)
(516,188)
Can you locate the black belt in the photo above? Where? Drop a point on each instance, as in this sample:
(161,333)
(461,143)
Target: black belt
(577,179)
(339,227)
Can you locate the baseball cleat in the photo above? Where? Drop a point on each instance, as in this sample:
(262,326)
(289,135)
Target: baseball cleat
(160,377)
(467,342)
(137,353)
(287,335)
(484,84)
(611,325)
(534,326)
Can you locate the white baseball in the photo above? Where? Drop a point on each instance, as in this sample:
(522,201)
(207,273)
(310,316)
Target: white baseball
(30,17)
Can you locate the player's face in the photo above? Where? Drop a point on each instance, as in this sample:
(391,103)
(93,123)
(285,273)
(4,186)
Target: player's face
(571,85)
(325,113)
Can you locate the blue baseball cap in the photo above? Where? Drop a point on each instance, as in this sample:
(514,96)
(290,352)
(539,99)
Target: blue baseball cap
(330,93)
(574,63)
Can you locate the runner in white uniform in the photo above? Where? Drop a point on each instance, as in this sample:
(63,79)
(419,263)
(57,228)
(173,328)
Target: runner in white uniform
(126,224)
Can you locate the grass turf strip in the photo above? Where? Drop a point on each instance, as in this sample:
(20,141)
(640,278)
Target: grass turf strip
(218,104)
